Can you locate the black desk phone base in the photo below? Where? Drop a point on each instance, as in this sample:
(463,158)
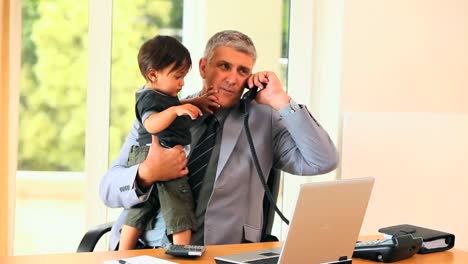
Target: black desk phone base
(388,250)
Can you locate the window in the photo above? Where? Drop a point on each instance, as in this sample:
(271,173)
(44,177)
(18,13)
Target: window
(53,96)
(52,126)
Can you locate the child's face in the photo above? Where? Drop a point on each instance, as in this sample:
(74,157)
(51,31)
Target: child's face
(170,83)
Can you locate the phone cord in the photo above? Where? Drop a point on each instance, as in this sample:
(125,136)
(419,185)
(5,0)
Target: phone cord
(257,165)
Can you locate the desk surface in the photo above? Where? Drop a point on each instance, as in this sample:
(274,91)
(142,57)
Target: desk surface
(447,257)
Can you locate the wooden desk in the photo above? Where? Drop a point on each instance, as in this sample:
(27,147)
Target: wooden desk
(447,257)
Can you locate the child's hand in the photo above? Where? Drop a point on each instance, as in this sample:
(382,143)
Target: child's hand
(207,101)
(188,109)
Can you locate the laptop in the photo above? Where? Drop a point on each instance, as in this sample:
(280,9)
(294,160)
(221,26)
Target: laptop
(324,228)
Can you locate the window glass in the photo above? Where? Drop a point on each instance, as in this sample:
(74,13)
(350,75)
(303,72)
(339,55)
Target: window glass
(284,59)
(52,121)
(53,85)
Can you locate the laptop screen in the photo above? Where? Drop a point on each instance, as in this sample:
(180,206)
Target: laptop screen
(325,225)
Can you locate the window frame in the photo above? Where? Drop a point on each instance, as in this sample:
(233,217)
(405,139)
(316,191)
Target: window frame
(97,126)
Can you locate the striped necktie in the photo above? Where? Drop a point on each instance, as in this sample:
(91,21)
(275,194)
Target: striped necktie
(200,157)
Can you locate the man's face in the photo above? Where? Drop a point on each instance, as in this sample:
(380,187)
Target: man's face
(227,72)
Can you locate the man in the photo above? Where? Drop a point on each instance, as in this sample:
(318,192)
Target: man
(229,206)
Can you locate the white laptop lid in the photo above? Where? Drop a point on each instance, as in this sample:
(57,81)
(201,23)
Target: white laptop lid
(326,221)
(325,225)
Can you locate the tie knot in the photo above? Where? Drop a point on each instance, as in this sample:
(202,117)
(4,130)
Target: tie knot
(211,123)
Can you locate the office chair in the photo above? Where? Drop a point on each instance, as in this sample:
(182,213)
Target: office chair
(92,237)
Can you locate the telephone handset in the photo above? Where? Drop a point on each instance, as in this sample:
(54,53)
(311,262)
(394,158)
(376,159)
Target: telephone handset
(247,98)
(250,94)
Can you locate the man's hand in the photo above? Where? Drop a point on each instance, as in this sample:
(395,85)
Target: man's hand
(161,164)
(270,89)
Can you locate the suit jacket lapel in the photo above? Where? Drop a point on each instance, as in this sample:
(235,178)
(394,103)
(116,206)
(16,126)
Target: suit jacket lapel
(231,130)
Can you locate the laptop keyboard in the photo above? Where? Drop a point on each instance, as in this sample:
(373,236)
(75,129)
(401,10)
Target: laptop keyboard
(264,261)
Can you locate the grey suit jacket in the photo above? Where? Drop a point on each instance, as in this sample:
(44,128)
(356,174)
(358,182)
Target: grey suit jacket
(293,142)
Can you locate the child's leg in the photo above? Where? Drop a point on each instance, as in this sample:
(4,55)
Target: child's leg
(182,238)
(176,201)
(140,217)
(129,237)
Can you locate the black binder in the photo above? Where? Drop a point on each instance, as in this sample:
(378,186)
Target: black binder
(433,240)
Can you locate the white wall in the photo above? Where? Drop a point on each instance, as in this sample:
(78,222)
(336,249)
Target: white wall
(404,90)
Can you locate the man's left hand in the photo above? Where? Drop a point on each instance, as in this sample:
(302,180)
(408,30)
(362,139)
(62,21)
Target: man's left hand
(270,89)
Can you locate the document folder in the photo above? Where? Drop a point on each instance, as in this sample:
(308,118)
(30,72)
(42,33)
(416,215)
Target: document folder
(433,240)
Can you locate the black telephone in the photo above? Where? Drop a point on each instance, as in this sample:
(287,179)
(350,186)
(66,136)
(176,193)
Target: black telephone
(388,250)
(248,97)
(245,101)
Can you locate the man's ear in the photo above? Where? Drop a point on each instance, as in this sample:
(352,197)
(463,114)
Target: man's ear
(152,75)
(202,67)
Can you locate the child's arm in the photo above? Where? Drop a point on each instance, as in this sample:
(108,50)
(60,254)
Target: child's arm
(207,101)
(157,122)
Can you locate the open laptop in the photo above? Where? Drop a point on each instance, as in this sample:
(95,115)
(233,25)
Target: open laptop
(324,227)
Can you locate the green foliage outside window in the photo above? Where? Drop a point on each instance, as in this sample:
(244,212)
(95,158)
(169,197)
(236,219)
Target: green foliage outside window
(54,76)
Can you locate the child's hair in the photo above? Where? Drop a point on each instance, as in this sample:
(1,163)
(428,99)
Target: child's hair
(162,51)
